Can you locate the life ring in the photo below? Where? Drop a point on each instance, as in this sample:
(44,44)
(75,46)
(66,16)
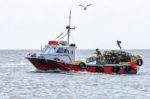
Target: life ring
(139,62)
(83,65)
(43,62)
(116,69)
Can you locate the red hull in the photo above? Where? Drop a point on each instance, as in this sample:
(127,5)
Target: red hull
(46,65)
(42,65)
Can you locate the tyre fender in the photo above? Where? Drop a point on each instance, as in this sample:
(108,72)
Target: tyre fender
(43,62)
(139,62)
(56,59)
(83,65)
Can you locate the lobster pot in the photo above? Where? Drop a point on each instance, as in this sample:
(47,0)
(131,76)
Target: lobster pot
(114,56)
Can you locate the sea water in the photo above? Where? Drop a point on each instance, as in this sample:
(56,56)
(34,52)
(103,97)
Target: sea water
(20,80)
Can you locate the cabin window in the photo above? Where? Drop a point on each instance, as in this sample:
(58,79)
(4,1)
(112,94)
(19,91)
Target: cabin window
(45,49)
(66,51)
(52,50)
(48,50)
(60,50)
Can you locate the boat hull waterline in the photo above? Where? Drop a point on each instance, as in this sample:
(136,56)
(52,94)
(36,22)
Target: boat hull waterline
(50,65)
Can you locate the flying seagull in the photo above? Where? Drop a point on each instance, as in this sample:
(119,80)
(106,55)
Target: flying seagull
(85,7)
(118,43)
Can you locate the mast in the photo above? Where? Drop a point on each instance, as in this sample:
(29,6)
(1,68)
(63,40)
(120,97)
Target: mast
(69,27)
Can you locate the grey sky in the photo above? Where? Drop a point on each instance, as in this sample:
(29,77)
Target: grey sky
(28,24)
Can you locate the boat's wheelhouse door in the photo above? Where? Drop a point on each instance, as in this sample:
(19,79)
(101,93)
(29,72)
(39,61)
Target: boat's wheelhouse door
(68,53)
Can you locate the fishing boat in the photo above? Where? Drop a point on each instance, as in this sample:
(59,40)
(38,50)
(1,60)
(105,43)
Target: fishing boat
(60,55)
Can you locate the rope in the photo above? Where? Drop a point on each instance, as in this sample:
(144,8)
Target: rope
(62,37)
(61,34)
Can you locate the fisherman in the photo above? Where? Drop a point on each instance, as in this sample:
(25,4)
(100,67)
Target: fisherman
(133,64)
(98,57)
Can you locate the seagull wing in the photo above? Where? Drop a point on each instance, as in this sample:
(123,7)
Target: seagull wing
(81,5)
(88,5)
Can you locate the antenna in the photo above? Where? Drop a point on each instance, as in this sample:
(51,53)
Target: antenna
(41,48)
(69,27)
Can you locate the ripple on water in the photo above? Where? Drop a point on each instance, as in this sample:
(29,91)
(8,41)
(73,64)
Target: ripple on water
(20,80)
